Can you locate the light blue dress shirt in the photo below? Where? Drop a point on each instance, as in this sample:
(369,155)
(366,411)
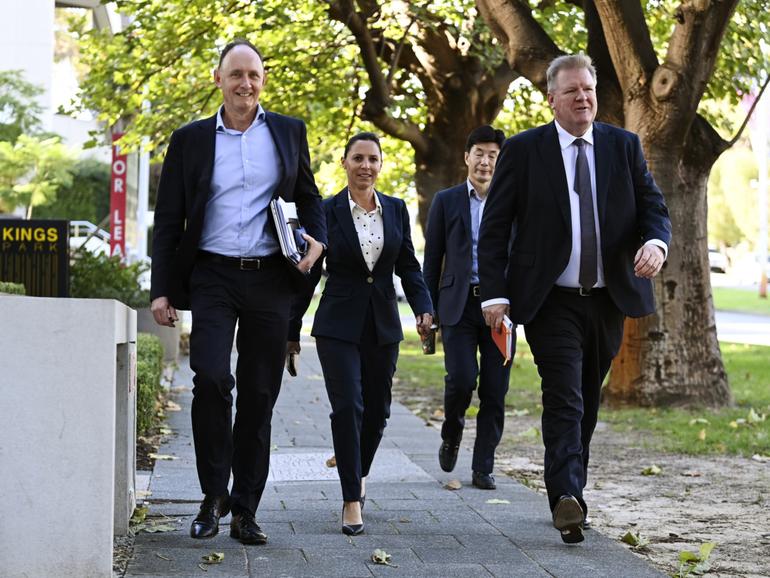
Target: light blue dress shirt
(477,210)
(247,169)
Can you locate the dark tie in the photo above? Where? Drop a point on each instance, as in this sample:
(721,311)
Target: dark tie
(588,259)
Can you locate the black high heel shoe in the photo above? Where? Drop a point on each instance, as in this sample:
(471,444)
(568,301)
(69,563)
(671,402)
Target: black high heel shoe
(362,501)
(351,529)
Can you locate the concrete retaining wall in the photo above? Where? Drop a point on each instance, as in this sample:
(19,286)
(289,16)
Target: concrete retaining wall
(67,423)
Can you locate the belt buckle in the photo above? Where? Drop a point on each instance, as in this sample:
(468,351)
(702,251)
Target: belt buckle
(476,291)
(245,263)
(584,292)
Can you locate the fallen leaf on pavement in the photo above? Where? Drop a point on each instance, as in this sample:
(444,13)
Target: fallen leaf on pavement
(164,457)
(382,557)
(453,485)
(213,558)
(331,462)
(760,458)
(635,540)
(497,501)
(652,470)
(162,557)
(173,406)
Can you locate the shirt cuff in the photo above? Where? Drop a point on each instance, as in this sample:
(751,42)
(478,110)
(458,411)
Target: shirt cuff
(661,244)
(496,301)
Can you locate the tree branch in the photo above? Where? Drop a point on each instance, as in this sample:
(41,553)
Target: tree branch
(693,47)
(528,48)
(628,42)
(377,98)
(754,104)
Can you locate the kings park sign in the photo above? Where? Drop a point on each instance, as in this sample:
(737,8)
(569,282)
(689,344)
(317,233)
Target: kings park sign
(36,254)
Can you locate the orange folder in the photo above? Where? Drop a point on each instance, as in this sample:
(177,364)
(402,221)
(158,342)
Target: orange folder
(504,339)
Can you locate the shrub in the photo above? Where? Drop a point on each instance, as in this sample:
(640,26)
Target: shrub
(149,368)
(103,277)
(12,288)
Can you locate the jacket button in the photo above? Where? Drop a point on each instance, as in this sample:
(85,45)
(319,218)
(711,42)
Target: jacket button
(370,279)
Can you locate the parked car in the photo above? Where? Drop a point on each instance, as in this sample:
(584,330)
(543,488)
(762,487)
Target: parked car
(717,260)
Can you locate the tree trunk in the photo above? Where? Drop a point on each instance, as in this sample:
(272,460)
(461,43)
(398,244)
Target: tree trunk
(673,357)
(439,169)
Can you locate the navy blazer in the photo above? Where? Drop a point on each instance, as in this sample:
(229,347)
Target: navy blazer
(351,287)
(448,252)
(185,187)
(530,188)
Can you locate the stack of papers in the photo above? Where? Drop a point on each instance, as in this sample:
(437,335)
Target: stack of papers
(287,228)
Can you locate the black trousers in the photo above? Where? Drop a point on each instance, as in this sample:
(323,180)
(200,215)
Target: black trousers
(573,340)
(461,343)
(358,380)
(258,301)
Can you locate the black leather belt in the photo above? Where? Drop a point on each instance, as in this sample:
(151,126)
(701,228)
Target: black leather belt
(476,290)
(582,292)
(242,263)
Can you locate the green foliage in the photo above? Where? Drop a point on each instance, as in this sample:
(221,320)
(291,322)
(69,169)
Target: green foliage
(32,169)
(86,198)
(12,288)
(19,109)
(149,368)
(733,205)
(103,277)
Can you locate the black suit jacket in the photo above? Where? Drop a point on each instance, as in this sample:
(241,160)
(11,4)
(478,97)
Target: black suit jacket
(448,252)
(351,287)
(530,187)
(185,186)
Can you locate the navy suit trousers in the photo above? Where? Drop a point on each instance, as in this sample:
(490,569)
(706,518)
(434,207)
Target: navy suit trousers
(461,344)
(573,340)
(358,380)
(259,302)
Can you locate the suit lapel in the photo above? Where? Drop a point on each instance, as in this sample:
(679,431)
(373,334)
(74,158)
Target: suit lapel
(465,208)
(281,145)
(391,244)
(603,147)
(345,220)
(205,147)
(553,164)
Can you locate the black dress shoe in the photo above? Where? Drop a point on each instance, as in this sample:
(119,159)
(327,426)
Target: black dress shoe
(483,481)
(206,523)
(245,529)
(447,454)
(568,519)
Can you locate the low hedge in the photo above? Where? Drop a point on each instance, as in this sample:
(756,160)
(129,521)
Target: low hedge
(149,369)
(12,288)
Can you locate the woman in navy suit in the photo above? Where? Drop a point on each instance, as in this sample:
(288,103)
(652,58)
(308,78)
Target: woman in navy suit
(357,325)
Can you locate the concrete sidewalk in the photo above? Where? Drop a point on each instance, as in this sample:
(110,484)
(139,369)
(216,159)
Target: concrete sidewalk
(428,530)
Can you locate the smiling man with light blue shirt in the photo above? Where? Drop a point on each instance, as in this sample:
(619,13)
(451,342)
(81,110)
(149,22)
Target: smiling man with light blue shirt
(215,252)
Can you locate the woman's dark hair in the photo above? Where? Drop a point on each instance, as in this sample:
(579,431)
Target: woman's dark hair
(362,136)
(238,42)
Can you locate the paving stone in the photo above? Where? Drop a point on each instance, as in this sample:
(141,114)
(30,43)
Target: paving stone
(184,562)
(429,531)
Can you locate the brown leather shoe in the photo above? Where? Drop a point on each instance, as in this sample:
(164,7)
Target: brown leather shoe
(568,519)
(245,529)
(206,523)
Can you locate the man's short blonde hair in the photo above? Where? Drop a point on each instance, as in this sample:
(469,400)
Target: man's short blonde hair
(568,62)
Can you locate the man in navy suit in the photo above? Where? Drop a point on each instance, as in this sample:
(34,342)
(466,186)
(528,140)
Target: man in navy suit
(215,252)
(592,229)
(452,275)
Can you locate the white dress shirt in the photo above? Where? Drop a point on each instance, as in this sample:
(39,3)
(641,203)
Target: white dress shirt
(369,229)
